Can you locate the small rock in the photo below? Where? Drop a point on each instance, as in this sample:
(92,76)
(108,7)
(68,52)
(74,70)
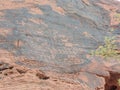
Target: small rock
(4,66)
(21,69)
(41,75)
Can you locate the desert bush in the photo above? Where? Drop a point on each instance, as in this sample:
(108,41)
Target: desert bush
(108,49)
(117,17)
(119,82)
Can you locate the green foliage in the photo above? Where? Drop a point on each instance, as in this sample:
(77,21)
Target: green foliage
(117,16)
(119,82)
(108,49)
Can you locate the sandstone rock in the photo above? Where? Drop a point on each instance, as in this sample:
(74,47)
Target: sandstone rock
(41,76)
(57,36)
(4,66)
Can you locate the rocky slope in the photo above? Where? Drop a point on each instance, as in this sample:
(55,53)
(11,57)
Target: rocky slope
(46,45)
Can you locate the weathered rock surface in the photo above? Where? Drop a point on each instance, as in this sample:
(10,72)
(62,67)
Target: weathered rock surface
(56,37)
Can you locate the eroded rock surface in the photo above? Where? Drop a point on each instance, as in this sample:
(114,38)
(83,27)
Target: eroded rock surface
(56,37)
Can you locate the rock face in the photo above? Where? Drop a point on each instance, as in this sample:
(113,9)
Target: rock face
(57,36)
(54,31)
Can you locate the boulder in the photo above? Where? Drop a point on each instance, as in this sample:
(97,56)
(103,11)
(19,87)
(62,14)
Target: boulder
(57,36)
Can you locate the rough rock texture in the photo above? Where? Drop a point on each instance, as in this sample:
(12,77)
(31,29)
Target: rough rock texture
(56,37)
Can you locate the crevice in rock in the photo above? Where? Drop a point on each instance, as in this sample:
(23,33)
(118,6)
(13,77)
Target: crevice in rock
(112,82)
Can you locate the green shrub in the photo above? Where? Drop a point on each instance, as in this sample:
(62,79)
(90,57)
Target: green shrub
(108,49)
(117,17)
(119,82)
